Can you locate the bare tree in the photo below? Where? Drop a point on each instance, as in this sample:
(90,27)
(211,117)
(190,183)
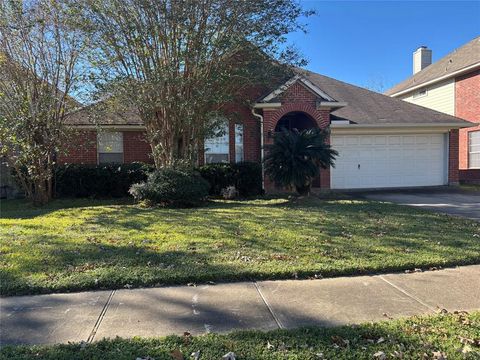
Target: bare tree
(377,83)
(178,62)
(39,68)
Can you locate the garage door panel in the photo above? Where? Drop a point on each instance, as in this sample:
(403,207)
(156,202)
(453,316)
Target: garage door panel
(388,160)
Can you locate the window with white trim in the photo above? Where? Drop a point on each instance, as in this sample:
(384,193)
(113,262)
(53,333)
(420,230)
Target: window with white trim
(238,143)
(217,147)
(420,93)
(110,147)
(474,149)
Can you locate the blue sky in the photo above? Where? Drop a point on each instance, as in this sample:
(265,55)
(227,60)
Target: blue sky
(371,42)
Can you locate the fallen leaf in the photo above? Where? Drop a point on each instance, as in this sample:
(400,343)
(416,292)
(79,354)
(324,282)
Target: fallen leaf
(466,349)
(438,355)
(397,354)
(229,356)
(186,337)
(380,355)
(177,355)
(339,341)
(270,346)
(380,340)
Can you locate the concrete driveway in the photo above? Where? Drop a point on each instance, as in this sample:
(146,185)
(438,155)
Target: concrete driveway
(454,202)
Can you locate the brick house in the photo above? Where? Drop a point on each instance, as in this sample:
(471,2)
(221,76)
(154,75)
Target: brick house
(450,85)
(382,142)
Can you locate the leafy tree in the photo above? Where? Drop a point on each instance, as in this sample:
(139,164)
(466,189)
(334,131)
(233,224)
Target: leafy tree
(178,62)
(295,157)
(39,58)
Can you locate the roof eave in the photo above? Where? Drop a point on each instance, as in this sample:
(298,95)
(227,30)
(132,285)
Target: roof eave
(452,125)
(438,79)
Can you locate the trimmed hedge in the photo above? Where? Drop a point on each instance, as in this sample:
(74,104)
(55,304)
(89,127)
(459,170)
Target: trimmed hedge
(172,187)
(109,180)
(115,180)
(245,176)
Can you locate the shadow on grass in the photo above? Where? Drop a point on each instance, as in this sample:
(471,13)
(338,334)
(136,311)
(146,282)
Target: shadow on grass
(115,246)
(409,338)
(24,209)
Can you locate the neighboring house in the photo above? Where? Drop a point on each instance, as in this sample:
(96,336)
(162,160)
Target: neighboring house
(450,85)
(382,142)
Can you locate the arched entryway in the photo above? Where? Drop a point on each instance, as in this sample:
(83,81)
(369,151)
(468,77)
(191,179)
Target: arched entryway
(295,120)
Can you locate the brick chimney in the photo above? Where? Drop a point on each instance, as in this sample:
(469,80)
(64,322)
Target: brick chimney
(422,57)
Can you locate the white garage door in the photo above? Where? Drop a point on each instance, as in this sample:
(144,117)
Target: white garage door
(381,161)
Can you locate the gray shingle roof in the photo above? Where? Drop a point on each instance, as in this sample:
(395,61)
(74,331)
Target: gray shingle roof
(368,107)
(363,107)
(97,114)
(461,58)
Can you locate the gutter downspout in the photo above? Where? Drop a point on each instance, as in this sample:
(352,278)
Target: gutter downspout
(262,152)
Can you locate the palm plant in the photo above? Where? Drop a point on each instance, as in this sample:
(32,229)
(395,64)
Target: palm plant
(295,158)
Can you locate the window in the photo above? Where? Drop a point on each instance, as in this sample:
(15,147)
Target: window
(217,147)
(474,150)
(110,147)
(420,93)
(238,143)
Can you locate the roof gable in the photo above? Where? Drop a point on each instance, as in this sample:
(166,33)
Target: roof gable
(275,94)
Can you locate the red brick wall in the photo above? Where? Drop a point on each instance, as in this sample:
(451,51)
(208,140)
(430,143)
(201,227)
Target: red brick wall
(470,176)
(453,172)
(82,149)
(296,98)
(467,106)
(136,147)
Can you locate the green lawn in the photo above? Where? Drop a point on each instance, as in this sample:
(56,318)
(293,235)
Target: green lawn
(90,244)
(445,336)
(470,187)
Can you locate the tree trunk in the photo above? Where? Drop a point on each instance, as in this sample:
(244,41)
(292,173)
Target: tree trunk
(41,193)
(303,190)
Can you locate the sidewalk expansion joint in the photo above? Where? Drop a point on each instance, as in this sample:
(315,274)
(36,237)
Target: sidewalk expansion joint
(407,294)
(270,310)
(100,317)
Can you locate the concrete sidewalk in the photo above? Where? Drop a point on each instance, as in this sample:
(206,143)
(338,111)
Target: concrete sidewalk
(262,305)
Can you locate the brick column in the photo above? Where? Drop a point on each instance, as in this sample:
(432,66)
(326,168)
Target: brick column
(453,172)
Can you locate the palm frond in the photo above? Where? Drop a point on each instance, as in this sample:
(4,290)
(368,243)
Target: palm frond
(295,157)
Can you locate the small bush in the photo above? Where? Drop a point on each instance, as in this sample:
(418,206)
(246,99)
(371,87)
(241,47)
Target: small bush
(172,187)
(98,181)
(246,177)
(230,193)
(219,176)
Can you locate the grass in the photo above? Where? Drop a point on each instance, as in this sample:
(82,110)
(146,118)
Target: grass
(73,245)
(470,187)
(442,336)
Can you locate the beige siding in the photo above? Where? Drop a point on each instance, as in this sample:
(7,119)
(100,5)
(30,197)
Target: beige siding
(440,97)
